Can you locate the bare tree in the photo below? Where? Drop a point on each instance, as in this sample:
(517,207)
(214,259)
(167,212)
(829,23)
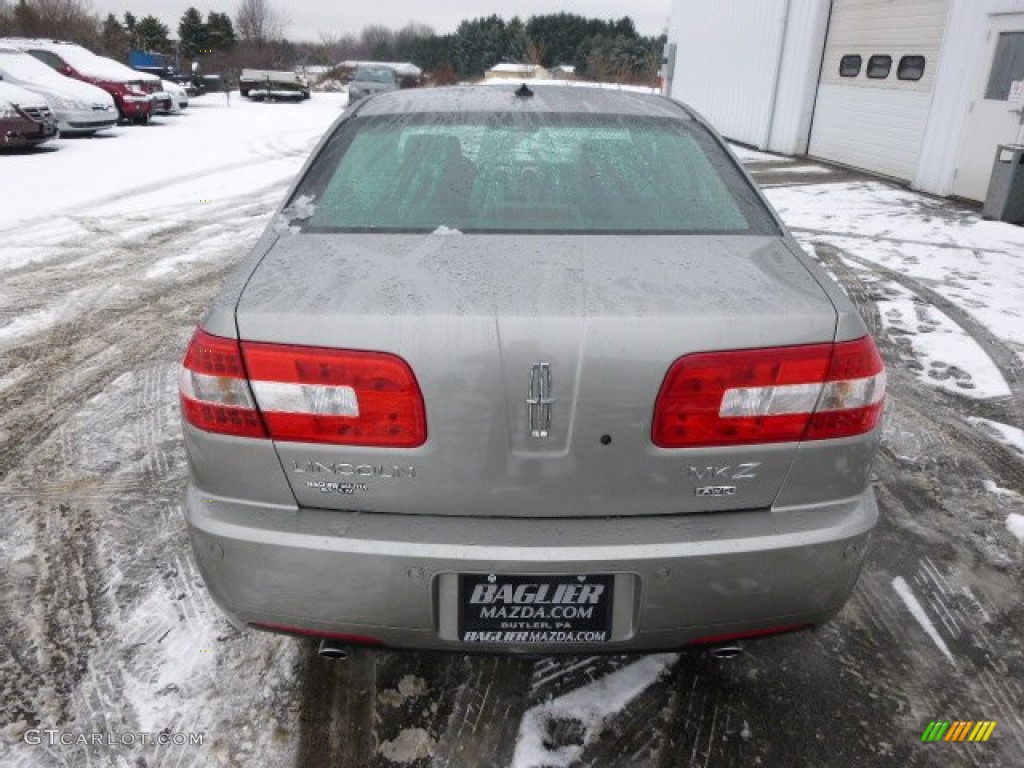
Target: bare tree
(6,19)
(257,21)
(536,51)
(377,42)
(338,47)
(68,19)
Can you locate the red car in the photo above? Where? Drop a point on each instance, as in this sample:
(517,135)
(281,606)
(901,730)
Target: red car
(25,120)
(133,102)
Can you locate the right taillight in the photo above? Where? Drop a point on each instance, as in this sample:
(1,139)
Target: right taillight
(301,394)
(773,395)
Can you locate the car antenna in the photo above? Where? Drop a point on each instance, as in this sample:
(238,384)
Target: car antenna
(523,92)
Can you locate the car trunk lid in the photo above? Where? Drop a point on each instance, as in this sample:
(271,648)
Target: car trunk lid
(506,334)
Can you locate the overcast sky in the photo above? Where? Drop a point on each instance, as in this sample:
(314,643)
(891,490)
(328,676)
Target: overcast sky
(307,18)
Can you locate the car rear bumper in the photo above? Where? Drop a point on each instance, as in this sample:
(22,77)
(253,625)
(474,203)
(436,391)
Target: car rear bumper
(392,578)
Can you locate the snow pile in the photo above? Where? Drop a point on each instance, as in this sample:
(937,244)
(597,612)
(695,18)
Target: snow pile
(1011,437)
(918,612)
(410,745)
(1015,525)
(949,358)
(590,706)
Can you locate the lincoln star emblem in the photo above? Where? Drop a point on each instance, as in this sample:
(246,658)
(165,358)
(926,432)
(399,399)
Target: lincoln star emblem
(540,399)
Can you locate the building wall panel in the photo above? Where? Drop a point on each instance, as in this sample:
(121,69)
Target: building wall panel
(727,60)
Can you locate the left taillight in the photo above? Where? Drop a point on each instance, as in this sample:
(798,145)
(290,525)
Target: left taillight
(302,394)
(214,390)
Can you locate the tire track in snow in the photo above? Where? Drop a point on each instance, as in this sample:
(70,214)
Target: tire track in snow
(486,709)
(337,715)
(1003,355)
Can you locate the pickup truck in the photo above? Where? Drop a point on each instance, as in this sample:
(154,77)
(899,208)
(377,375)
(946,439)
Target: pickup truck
(272,85)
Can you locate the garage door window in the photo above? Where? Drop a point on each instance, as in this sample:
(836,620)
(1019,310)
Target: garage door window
(1007,66)
(910,68)
(849,65)
(879,67)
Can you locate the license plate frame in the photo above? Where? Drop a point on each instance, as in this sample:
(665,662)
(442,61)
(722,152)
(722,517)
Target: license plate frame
(533,609)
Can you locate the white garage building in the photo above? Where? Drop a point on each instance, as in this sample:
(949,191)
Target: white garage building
(920,90)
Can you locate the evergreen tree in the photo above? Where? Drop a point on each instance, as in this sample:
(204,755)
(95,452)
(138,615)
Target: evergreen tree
(517,49)
(480,44)
(152,34)
(220,32)
(113,38)
(192,34)
(130,24)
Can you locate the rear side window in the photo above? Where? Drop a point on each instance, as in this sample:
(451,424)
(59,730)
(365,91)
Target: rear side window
(879,67)
(910,68)
(375,75)
(849,65)
(528,172)
(49,59)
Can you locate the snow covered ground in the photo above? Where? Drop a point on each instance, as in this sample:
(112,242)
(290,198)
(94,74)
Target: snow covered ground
(143,216)
(110,250)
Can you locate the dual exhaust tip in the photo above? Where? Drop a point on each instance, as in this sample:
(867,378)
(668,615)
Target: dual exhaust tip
(333,649)
(725,651)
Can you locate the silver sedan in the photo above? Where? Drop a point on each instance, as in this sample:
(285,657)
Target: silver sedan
(529,369)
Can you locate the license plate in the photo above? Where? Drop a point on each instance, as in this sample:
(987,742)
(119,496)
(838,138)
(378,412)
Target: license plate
(528,608)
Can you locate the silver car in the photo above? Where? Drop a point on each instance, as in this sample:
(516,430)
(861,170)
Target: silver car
(529,370)
(369,81)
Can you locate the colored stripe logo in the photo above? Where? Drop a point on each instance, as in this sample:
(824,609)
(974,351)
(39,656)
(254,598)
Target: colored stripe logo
(958,730)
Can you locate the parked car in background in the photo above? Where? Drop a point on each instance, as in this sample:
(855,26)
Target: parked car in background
(126,86)
(368,81)
(179,97)
(530,369)
(25,119)
(80,108)
(163,102)
(272,85)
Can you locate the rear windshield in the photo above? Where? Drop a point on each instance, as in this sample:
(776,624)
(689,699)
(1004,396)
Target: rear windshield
(527,172)
(375,75)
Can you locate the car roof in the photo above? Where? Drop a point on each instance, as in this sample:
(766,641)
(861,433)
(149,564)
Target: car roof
(568,99)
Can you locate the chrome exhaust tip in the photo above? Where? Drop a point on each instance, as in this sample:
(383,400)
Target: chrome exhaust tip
(727,651)
(332,649)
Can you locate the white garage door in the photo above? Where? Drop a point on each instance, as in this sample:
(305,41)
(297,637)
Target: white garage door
(880,61)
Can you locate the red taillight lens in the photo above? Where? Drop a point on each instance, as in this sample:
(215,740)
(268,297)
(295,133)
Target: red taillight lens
(852,398)
(716,639)
(344,397)
(774,395)
(215,395)
(301,394)
(345,638)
